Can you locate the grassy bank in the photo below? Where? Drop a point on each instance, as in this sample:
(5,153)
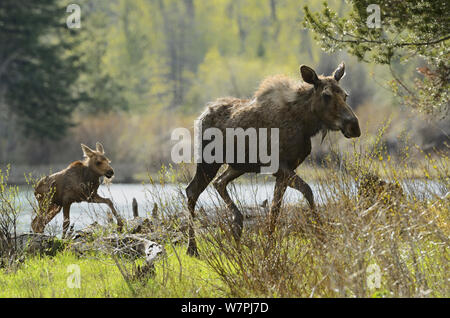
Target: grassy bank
(380,234)
(100,277)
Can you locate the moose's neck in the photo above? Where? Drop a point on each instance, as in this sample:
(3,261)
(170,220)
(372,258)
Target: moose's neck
(313,126)
(311,123)
(90,176)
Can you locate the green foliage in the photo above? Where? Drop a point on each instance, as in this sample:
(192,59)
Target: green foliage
(411,31)
(404,235)
(9,213)
(37,67)
(101,92)
(137,68)
(157,55)
(396,224)
(178,275)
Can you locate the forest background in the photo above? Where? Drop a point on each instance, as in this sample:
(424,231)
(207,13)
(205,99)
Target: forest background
(137,69)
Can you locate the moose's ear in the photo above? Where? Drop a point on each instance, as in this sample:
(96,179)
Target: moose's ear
(99,148)
(339,72)
(309,75)
(88,152)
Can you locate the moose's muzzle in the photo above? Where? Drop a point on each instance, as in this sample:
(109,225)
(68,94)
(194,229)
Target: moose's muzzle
(351,128)
(109,173)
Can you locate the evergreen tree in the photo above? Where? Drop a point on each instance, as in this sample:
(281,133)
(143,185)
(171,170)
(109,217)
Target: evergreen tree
(38,67)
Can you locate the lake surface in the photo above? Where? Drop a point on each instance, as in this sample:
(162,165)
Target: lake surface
(172,198)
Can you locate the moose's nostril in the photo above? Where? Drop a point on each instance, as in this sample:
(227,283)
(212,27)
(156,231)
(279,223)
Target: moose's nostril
(356,130)
(352,128)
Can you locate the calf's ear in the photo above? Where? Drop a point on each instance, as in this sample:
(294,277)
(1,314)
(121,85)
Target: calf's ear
(88,152)
(339,72)
(99,148)
(309,75)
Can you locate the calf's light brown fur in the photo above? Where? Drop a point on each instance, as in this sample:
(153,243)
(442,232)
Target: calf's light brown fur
(79,182)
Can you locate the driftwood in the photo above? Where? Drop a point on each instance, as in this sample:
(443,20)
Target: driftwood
(140,240)
(123,245)
(136,243)
(143,237)
(127,246)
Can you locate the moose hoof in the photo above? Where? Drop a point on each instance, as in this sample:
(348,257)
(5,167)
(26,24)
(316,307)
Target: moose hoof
(192,250)
(237,226)
(120,224)
(237,231)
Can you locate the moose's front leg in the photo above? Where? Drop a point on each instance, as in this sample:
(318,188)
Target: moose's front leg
(278,193)
(98,199)
(299,184)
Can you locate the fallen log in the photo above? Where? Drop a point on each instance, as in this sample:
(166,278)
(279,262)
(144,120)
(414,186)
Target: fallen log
(36,243)
(143,237)
(123,245)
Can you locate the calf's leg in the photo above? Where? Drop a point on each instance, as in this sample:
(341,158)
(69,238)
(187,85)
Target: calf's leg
(41,220)
(99,199)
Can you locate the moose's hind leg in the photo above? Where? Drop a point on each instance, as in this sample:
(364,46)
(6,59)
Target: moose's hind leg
(221,186)
(203,176)
(41,220)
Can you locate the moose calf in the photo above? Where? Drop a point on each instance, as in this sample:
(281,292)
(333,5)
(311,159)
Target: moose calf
(79,182)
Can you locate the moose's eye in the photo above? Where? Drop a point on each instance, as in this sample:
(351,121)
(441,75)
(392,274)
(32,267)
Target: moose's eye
(98,163)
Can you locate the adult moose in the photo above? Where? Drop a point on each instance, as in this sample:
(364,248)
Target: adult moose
(77,183)
(299,110)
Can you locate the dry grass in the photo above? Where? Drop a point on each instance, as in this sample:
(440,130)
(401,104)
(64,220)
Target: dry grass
(390,241)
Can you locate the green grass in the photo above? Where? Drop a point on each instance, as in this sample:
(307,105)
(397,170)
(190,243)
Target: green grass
(100,277)
(399,225)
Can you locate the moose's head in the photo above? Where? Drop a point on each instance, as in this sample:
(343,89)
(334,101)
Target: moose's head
(97,161)
(329,101)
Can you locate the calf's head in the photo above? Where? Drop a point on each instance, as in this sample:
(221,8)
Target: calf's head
(329,101)
(97,161)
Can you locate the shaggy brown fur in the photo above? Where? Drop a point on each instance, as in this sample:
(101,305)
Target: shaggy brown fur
(78,182)
(299,109)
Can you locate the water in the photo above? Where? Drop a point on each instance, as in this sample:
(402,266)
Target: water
(83,214)
(245,194)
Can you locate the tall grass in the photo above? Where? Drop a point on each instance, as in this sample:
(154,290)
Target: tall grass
(384,238)
(390,240)
(100,277)
(9,214)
